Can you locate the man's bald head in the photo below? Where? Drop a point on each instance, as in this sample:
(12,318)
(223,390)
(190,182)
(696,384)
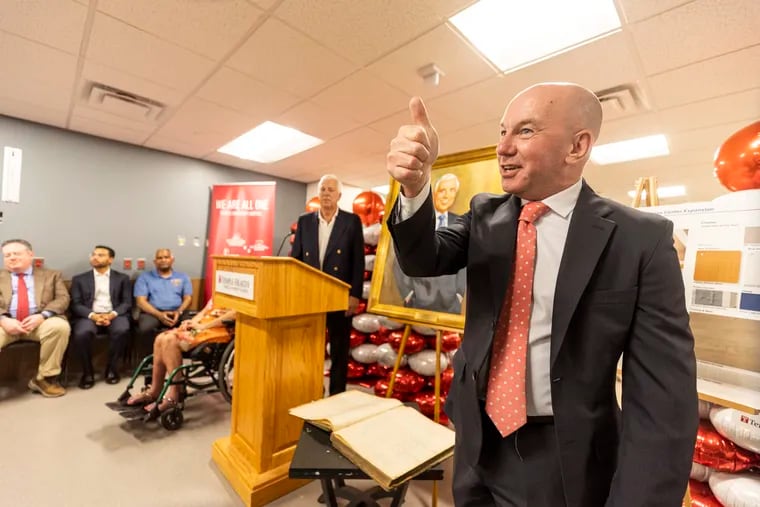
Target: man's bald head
(578,106)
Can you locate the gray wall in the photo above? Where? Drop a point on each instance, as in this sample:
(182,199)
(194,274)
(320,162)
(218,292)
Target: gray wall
(78,191)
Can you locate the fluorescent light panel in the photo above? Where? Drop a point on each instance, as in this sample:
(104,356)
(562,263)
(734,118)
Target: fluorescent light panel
(270,142)
(514,34)
(663,192)
(632,149)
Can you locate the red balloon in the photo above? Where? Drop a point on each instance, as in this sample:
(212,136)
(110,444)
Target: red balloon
(450,340)
(408,381)
(701,495)
(362,307)
(313,204)
(369,206)
(414,343)
(356,338)
(719,453)
(737,161)
(446,376)
(379,338)
(377,370)
(369,249)
(293,227)
(381,388)
(355,369)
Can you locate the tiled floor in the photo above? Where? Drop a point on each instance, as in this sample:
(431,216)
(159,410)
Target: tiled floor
(75,452)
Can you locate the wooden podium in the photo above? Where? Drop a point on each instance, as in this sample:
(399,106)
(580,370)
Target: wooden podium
(279,364)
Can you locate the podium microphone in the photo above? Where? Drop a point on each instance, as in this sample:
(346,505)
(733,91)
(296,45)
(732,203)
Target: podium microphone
(282,244)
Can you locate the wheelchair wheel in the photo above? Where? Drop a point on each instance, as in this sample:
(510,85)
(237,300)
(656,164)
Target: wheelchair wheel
(172,419)
(227,371)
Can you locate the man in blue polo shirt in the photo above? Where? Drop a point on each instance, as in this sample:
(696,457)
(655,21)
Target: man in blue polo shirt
(162,295)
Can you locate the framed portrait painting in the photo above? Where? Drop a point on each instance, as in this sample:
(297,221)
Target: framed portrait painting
(437,302)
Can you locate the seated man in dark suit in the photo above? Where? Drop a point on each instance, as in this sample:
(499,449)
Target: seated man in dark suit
(101,300)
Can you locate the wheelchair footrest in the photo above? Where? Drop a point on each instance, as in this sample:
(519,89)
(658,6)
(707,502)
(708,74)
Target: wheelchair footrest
(127,411)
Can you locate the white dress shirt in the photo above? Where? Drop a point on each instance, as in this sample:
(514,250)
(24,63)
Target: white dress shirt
(551,235)
(325,229)
(101,302)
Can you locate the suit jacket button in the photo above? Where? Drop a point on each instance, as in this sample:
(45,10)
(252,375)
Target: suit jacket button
(335,268)
(338,251)
(306,254)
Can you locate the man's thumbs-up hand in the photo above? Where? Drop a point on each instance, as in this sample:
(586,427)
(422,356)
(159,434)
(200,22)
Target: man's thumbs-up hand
(413,151)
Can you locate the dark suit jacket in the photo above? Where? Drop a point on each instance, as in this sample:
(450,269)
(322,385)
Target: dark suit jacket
(49,291)
(344,256)
(83,293)
(619,291)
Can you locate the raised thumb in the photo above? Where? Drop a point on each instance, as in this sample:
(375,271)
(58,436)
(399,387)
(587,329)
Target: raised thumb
(419,113)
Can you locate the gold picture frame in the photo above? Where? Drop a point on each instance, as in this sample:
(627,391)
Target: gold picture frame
(476,171)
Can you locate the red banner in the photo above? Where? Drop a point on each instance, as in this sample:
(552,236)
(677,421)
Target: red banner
(241,222)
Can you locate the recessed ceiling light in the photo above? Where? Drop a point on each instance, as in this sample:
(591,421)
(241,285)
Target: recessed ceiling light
(631,149)
(270,142)
(663,192)
(514,34)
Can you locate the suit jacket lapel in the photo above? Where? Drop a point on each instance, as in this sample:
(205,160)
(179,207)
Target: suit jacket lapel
(503,232)
(337,232)
(39,284)
(587,238)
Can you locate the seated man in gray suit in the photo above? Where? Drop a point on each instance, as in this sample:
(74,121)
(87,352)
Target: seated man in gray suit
(33,302)
(101,300)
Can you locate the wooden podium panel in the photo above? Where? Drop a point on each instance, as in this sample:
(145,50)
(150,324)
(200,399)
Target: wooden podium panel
(279,361)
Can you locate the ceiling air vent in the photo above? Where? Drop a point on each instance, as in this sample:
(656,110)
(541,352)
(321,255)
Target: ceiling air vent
(621,101)
(124,104)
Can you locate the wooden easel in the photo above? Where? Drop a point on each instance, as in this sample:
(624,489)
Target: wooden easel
(646,190)
(436,388)
(645,194)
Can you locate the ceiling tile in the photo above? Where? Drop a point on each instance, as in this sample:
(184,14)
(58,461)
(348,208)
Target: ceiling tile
(636,10)
(707,139)
(204,125)
(235,90)
(317,121)
(107,130)
(85,112)
(696,31)
(282,57)
(460,64)
(57,24)
(471,138)
(363,97)
(181,22)
(716,111)
(126,48)
(40,75)
(644,124)
(715,77)
(365,31)
(33,112)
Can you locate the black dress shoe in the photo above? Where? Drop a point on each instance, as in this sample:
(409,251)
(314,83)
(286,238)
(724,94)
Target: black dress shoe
(112,377)
(86,382)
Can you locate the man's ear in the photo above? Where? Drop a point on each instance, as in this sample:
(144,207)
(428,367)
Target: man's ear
(583,141)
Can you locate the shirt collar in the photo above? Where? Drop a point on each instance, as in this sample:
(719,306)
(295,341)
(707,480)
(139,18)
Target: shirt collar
(562,203)
(28,271)
(323,221)
(107,273)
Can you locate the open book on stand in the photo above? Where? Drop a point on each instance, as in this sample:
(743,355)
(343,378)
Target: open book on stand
(387,440)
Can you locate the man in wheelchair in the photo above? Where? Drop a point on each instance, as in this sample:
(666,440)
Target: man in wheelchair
(209,326)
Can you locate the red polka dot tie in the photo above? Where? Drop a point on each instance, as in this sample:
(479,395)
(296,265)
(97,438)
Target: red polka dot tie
(505,400)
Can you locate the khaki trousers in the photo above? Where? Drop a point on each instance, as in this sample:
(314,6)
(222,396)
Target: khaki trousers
(53,336)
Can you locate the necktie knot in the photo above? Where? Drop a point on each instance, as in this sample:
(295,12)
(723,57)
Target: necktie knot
(533,211)
(441,219)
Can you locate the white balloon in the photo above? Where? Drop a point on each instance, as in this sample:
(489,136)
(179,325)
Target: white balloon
(366,353)
(365,289)
(389,324)
(736,490)
(369,262)
(386,356)
(423,362)
(372,234)
(366,323)
(424,330)
(704,409)
(700,472)
(739,427)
